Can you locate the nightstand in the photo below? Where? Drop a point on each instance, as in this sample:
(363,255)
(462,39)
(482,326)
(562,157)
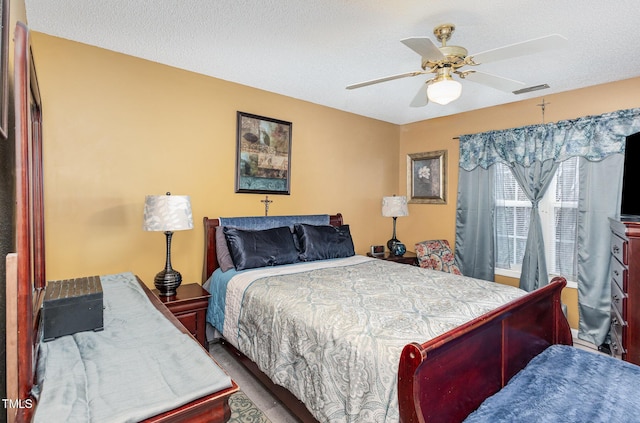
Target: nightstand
(189,305)
(408,257)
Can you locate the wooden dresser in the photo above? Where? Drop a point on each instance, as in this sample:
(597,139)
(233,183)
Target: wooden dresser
(625,289)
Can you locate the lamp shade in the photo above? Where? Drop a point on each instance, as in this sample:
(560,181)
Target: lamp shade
(167,213)
(395,206)
(444,91)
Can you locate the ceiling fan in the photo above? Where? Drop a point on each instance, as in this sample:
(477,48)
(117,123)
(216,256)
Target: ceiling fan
(446,61)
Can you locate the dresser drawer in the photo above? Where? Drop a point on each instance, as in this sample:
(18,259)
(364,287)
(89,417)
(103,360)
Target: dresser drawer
(618,300)
(619,249)
(617,349)
(618,325)
(620,274)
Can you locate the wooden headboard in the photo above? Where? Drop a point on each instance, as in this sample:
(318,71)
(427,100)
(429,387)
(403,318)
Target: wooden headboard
(210,257)
(27,284)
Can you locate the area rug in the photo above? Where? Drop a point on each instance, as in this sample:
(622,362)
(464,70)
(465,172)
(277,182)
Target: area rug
(245,411)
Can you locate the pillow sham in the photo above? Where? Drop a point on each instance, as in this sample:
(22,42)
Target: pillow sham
(324,242)
(269,247)
(225,262)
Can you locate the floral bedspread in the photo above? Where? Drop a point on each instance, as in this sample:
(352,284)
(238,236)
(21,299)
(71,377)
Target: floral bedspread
(333,336)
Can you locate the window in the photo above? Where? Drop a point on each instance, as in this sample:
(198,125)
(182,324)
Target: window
(558,214)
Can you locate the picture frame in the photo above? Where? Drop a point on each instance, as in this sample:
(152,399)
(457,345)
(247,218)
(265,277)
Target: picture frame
(427,177)
(263,155)
(4,69)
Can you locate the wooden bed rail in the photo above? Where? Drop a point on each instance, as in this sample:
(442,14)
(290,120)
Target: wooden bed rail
(448,377)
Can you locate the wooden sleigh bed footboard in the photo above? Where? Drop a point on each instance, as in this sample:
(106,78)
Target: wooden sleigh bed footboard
(447,378)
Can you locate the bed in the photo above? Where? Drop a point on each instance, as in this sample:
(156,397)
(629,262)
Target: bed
(30,360)
(318,332)
(514,370)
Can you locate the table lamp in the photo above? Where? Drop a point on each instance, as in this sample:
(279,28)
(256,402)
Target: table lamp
(395,207)
(167,213)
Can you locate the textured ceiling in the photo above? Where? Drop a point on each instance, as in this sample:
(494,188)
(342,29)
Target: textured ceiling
(311,50)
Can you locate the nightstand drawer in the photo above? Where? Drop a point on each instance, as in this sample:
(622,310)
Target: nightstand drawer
(189,305)
(189,321)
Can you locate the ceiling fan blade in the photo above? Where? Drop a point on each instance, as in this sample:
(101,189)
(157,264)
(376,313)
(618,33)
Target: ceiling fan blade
(493,81)
(385,79)
(424,47)
(421,99)
(536,45)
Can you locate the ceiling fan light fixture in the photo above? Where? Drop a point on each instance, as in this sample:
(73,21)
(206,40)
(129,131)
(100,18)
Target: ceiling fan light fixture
(444,90)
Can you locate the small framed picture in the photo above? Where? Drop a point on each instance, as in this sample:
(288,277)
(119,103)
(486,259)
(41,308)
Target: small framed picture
(427,177)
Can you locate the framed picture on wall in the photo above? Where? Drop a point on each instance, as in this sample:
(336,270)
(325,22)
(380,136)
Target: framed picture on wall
(4,71)
(427,177)
(263,155)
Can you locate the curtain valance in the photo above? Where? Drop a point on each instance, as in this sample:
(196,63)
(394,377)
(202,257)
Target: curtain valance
(592,137)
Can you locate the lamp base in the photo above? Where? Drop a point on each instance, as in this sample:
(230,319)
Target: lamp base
(167,281)
(393,241)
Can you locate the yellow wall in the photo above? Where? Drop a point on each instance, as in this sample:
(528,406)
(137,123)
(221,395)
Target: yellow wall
(118,128)
(433,221)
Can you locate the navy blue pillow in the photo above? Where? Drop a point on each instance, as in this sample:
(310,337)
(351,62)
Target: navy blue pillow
(269,247)
(324,242)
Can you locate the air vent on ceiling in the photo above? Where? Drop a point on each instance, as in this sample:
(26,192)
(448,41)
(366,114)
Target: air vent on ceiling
(529,89)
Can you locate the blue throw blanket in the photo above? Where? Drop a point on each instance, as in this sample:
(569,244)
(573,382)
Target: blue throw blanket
(565,384)
(217,286)
(139,366)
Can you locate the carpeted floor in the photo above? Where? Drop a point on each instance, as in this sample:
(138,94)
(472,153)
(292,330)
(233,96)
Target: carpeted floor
(245,411)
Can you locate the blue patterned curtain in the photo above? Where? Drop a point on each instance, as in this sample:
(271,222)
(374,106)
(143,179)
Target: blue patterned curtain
(594,138)
(591,137)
